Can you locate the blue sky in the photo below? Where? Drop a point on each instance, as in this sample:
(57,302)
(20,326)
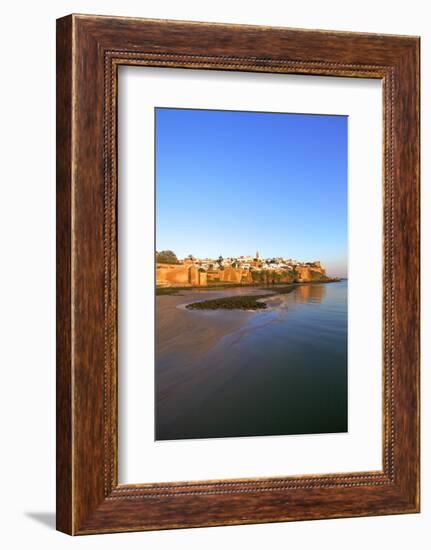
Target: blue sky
(233,182)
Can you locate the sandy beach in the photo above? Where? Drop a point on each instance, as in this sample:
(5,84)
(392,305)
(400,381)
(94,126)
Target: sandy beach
(184,337)
(184,331)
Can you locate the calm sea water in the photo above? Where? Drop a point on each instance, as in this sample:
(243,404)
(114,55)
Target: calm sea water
(284,371)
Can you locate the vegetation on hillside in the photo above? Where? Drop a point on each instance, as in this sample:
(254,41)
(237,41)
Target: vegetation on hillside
(166,257)
(273,277)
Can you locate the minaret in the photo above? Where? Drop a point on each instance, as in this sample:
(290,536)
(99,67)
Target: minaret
(257,255)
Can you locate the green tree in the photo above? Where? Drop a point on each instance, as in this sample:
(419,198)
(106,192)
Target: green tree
(166,257)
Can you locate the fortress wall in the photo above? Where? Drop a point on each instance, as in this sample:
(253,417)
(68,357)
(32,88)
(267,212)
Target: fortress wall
(172,275)
(246,277)
(179,275)
(193,276)
(307,274)
(213,276)
(303,274)
(168,275)
(231,275)
(203,278)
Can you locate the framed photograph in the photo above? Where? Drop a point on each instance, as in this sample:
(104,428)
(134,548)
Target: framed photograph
(237,274)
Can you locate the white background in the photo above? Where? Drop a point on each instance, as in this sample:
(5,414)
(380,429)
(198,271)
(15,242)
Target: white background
(141,458)
(27,218)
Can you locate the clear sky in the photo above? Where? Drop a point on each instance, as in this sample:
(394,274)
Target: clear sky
(232,183)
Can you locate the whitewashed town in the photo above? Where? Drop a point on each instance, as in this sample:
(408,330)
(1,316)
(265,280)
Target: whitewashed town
(192,271)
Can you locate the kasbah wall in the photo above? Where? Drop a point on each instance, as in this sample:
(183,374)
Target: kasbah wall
(183,275)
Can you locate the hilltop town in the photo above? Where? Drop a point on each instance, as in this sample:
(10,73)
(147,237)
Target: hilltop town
(244,270)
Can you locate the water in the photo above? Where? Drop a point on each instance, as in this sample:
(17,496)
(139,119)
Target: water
(283,371)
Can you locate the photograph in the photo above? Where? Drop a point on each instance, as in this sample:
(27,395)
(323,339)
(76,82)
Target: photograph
(251,273)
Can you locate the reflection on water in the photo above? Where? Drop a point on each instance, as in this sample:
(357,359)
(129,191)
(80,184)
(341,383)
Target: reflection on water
(310,293)
(284,371)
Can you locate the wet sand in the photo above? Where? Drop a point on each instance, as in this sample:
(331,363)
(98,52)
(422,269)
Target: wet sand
(180,330)
(184,338)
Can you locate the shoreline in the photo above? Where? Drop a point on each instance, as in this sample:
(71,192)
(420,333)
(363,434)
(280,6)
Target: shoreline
(173,290)
(247,302)
(192,332)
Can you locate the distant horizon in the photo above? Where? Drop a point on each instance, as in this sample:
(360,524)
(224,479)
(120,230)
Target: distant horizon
(271,182)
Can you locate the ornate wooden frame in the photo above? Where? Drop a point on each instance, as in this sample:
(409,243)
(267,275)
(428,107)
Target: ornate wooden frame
(89,51)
